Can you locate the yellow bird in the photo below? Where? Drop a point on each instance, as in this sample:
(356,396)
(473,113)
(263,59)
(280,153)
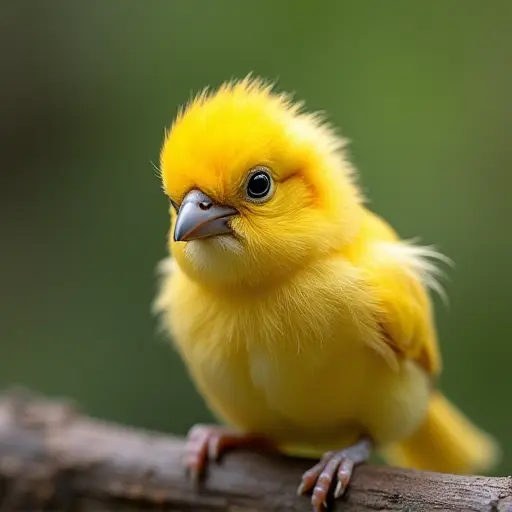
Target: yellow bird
(303,319)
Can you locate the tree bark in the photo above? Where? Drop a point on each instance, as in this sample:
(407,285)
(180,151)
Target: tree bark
(54,458)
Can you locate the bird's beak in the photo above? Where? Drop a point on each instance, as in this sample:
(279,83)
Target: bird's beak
(200,217)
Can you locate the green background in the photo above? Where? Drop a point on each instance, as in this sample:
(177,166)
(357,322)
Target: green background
(421,88)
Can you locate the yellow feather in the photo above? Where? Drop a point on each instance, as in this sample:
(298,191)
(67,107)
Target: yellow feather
(312,324)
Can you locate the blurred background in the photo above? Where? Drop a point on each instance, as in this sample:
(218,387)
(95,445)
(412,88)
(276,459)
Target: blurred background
(86,89)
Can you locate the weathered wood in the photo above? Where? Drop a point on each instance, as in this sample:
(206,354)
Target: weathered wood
(52,457)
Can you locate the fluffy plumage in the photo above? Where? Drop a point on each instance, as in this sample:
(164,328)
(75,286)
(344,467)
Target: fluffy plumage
(311,323)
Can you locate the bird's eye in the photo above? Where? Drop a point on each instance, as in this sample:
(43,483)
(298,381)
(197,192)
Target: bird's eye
(259,185)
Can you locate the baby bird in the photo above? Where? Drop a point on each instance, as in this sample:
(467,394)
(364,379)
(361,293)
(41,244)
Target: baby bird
(303,319)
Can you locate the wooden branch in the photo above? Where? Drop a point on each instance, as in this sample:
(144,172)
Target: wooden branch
(52,457)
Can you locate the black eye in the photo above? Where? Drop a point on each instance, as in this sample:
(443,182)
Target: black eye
(259,185)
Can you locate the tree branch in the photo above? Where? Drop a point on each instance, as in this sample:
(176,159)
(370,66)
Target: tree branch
(52,457)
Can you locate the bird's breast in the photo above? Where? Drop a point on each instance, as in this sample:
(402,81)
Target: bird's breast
(294,360)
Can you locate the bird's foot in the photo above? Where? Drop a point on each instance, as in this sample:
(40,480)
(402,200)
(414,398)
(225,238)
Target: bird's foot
(333,468)
(206,443)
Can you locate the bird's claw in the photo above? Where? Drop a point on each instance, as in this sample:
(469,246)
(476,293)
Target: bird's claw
(333,467)
(202,446)
(206,443)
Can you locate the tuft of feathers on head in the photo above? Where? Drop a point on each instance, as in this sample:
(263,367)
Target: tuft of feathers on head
(254,89)
(246,120)
(250,86)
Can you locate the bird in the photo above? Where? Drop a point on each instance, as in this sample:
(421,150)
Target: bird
(303,319)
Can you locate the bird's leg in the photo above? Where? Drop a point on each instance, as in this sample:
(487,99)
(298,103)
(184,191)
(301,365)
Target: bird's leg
(334,467)
(207,442)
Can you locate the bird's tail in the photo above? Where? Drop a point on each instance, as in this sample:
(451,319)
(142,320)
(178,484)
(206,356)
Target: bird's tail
(446,442)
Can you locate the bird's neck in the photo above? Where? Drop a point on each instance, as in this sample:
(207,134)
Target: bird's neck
(247,290)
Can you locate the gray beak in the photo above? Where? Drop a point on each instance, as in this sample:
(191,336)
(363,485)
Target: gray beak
(200,217)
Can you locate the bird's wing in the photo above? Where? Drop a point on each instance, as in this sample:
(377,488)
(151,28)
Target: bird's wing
(398,275)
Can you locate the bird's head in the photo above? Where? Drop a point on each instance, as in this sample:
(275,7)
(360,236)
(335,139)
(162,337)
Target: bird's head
(257,188)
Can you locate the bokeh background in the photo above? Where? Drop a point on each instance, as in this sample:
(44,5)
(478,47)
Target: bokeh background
(86,89)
